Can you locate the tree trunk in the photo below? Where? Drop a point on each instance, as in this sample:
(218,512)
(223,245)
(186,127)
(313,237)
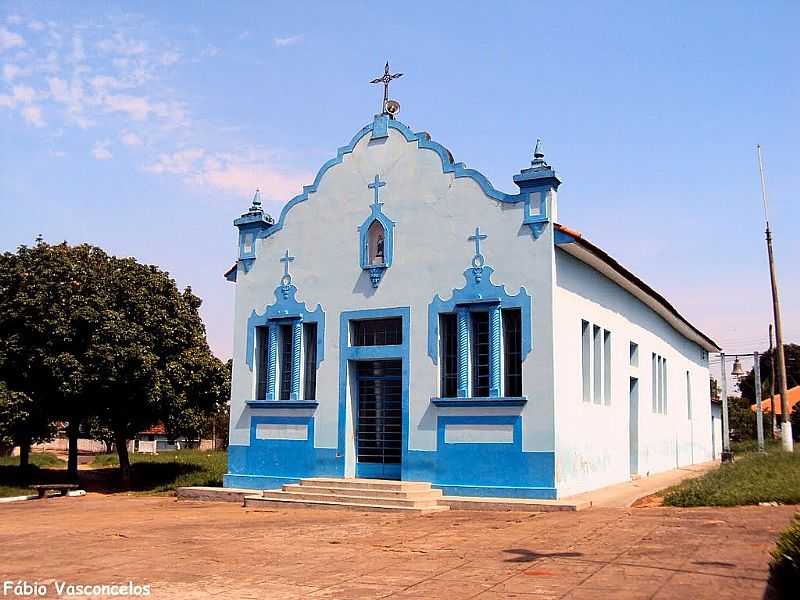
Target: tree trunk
(72,457)
(122,452)
(25,454)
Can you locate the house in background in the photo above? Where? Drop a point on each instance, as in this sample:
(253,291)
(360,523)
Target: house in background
(404,319)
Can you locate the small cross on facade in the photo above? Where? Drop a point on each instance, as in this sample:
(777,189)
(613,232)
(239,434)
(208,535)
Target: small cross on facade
(286,259)
(477,239)
(376,185)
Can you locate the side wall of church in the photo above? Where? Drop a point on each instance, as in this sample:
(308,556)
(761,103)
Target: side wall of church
(434,213)
(593,440)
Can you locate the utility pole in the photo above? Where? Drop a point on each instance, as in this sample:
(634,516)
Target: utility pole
(759,411)
(727,455)
(786,423)
(772,386)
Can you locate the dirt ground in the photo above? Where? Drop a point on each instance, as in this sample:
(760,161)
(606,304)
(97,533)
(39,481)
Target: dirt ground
(198,550)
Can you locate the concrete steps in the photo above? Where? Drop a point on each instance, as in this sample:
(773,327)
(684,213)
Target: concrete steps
(354,494)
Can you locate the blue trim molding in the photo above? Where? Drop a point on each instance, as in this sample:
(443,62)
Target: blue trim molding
(348,353)
(376,270)
(476,293)
(481,402)
(379,128)
(286,308)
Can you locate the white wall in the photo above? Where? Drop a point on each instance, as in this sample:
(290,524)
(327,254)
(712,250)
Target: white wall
(592,441)
(434,215)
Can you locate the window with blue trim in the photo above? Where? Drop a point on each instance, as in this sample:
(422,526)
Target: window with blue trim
(286,366)
(487,377)
(479,339)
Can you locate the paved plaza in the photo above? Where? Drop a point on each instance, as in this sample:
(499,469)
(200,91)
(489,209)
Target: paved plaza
(220,550)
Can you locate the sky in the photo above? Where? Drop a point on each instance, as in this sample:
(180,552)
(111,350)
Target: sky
(145,128)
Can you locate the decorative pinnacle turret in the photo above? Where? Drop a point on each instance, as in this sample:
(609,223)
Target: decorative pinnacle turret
(256,200)
(538,161)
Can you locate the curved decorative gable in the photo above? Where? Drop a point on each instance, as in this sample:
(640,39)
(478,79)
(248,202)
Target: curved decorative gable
(532,190)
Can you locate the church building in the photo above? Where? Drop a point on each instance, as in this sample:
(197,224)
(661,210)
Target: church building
(404,319)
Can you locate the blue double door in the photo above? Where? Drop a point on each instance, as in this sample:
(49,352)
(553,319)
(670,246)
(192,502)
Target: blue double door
(379,427)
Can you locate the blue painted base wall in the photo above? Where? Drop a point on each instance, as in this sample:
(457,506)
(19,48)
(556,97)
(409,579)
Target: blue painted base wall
(488,470)
(271,464)
(499,470)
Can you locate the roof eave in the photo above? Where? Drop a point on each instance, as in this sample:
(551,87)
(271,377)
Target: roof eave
(577,246)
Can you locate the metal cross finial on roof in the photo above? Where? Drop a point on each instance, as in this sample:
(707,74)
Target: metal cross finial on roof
(385,80)
(376,185)
(286,280)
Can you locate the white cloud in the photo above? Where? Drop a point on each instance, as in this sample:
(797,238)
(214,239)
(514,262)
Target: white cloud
(131,139)
(78,53)
(177,163)
(9,39)
(209,51)
(36,25)
(33,115)
(169,58)
(237,174)
(10,71)
(101,151)
(280,42)
(14,19)
(122,44)
(20,94)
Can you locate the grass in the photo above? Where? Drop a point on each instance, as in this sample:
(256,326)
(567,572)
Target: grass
(752,478)
(159,473)
(44,468)
(150,474)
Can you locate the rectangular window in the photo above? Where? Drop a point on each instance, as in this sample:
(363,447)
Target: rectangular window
(688,396)
(512,339)
(607,366)
(261,363)
(634,354)
(654,383)
(659,384)
(378,332)
(480,354)
(310,361)
(586,361)
(285,361)
(449,354)
(597,364)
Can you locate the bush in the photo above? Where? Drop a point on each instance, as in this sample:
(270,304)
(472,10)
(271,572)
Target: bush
(785,564)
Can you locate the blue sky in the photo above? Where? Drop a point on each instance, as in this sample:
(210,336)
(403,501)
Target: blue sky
(145,127)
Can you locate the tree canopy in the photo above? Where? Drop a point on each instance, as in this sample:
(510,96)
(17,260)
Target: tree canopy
(88,336)
(791,356)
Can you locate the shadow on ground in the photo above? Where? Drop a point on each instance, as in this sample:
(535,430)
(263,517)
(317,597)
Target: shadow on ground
(525,556)
(145,477)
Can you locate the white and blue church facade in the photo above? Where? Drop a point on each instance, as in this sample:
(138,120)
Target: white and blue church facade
(404,319)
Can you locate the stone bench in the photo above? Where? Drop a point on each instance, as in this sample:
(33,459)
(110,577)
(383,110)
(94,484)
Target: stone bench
(62,488)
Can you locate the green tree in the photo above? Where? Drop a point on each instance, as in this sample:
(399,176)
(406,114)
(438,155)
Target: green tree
(52,299)
(743,421)
(791,356)
(21,424)
(91,336)
(149,360)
